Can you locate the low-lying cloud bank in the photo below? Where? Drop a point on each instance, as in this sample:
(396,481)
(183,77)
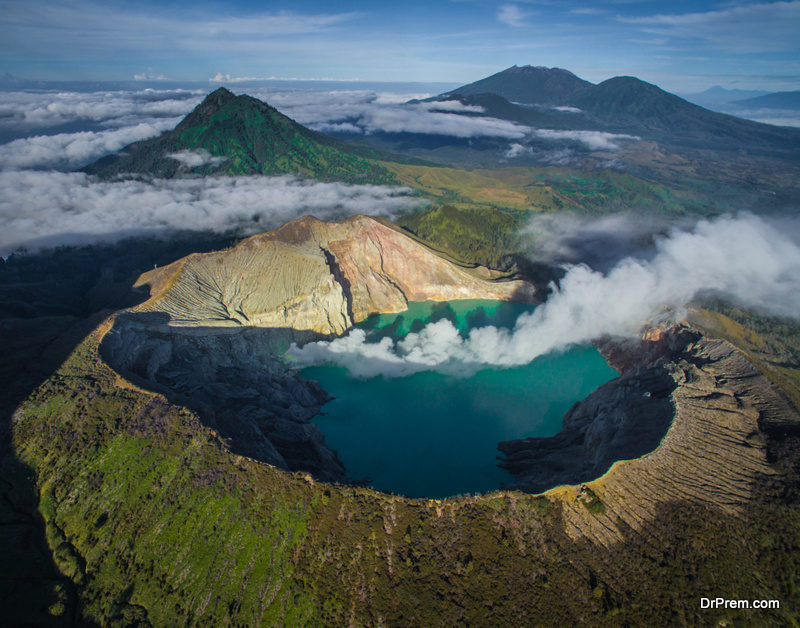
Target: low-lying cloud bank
(594,140)
(44,209)
(367,112)
(746,258)
(113,108)
(196,158)
(66,151)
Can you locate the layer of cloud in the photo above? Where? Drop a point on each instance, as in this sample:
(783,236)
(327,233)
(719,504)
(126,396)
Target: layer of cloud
(778,117)
(39,209)
(114,119)
(366,112)
(567,109)
(412,119)
(67,151)
(593,140)
(196,158)
(114,108)
(746,258)
(450,105)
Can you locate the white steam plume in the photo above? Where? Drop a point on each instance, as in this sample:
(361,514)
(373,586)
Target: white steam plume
(746,258)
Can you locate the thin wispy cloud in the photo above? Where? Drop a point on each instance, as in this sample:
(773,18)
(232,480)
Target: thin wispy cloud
(458,42)
(594,140)
(512,15)
(219,77)
(759,27)
(91,19)
(196,158)
(149,75)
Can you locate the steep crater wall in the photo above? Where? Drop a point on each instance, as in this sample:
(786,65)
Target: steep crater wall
(690,418)
(233,380)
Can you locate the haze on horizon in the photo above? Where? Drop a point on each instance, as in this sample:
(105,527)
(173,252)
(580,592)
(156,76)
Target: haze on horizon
(681,46)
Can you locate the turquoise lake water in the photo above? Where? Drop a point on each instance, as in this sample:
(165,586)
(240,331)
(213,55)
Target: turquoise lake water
(435,435)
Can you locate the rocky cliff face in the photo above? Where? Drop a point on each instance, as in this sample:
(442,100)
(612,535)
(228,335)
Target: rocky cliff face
(232,379)
(310,275)
(623,419)
(209,335)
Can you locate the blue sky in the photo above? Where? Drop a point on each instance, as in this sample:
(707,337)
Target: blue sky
(681,46)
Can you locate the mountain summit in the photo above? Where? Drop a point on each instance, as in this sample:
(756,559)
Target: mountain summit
(531,85)
(203,113)
(236,135)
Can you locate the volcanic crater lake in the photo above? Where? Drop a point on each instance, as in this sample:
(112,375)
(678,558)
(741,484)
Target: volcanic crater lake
(435,435)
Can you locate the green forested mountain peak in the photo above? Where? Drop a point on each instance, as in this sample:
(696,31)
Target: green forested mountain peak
(239,135)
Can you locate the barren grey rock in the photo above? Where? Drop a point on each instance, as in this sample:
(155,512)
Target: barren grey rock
(623,419)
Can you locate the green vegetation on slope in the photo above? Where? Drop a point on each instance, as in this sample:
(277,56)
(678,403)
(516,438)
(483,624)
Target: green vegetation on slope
(241,135)
(50,301)
(472,235)
(142,536)
(477,215)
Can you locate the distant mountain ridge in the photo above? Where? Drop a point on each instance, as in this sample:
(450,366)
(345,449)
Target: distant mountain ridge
(718,95)
(238,135)
(626,105)
(776,100)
